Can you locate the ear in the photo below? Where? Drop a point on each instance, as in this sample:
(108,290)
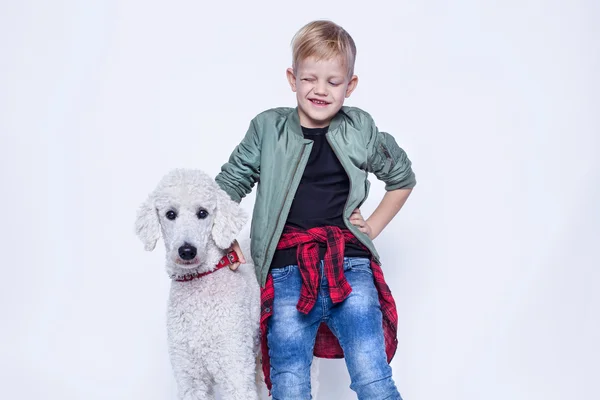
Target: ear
(351,85)
(147,225)
(229,220)
(291,77)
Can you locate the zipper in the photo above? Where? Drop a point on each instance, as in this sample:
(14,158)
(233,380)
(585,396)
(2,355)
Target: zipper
(350,191)
(345,170)
(285,200)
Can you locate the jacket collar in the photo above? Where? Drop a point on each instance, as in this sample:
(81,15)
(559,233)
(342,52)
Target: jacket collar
(295,127)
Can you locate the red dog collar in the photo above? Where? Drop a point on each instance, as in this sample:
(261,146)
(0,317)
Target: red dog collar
(228,259)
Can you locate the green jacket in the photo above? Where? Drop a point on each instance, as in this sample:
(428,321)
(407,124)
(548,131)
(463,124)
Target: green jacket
(274,154)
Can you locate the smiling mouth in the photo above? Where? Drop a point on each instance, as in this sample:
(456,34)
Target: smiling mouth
(319,103)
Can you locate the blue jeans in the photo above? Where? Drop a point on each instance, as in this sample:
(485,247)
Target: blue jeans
(356,322)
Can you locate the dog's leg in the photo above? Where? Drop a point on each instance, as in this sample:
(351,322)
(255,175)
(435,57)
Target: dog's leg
(239,386)
(192,382)
(237,378)
(193,388)
(199,395)
(261,387)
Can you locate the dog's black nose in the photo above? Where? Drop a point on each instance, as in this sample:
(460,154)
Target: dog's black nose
(187,251)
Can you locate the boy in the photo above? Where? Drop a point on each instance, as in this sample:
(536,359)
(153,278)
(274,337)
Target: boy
(323,291)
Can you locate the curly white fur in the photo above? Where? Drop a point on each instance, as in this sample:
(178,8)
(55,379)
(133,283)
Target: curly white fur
(212,321)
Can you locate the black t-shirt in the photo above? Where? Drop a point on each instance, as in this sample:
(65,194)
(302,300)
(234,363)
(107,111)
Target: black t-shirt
(320,197)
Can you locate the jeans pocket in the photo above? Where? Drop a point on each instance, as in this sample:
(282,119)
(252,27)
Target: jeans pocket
(281,274)
(358,264)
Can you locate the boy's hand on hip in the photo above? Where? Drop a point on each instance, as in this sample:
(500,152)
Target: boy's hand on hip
(235,246)
(357,220)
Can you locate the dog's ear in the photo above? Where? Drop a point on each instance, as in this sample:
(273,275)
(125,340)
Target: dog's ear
(229,220)
(147,225)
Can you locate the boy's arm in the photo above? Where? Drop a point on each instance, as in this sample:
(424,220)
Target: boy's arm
(239,174)
(391,165)
(388,161)
(387,209)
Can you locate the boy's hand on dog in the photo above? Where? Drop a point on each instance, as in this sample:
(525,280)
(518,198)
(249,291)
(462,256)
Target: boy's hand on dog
(235,246)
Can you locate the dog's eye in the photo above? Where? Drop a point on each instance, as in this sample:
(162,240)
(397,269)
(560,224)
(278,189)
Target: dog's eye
(171,215)
(202,214)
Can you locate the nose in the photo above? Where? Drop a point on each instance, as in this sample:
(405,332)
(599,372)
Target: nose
(187,251)
(321,88)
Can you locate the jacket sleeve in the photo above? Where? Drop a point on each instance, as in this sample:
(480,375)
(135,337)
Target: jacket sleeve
(388,161)
(241,172)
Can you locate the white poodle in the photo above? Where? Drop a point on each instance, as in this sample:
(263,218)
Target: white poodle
(213,313)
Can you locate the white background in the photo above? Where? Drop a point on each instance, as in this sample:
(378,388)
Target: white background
(493,261)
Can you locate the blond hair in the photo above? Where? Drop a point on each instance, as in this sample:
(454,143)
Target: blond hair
(323,40)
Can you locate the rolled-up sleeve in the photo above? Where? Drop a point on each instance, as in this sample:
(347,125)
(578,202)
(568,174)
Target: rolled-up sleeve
(388,161)
(241,172)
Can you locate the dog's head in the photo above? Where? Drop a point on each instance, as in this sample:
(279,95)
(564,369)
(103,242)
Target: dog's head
(197,219)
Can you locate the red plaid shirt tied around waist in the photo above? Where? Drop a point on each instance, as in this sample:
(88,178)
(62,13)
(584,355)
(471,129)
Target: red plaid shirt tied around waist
(307,243)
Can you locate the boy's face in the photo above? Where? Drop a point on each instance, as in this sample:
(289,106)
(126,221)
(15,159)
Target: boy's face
(321,88)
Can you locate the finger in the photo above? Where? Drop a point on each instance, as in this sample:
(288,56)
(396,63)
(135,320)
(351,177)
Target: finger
(359,224)
(238,250)
(234,266)
(241,257)
(356,217)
